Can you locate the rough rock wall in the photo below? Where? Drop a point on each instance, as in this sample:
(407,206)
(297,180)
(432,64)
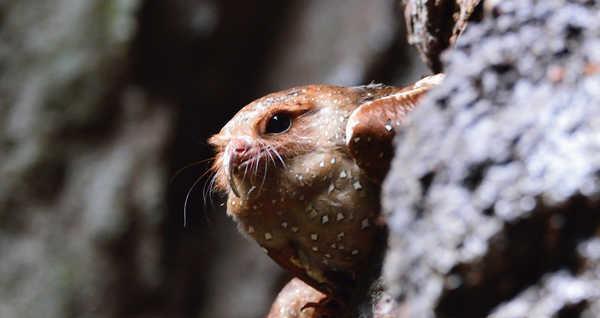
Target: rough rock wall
(493,200)
(80,159)
(434,25)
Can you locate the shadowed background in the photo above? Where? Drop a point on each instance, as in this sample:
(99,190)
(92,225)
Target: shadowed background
(103,101)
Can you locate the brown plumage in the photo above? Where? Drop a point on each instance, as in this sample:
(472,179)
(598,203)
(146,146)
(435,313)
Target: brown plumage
(303,168)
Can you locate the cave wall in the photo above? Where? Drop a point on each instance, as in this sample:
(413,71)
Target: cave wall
(492,201)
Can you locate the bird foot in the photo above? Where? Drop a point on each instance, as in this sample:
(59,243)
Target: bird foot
(328,307)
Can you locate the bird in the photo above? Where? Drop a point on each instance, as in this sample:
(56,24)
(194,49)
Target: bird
(302,169)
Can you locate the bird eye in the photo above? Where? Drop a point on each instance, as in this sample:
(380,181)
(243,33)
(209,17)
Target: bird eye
(279,123)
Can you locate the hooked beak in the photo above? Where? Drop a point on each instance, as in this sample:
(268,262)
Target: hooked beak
(229,170)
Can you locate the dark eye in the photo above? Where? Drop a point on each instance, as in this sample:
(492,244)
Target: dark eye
(278,123)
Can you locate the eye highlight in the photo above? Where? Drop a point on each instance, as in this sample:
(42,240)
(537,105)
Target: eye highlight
(278,123)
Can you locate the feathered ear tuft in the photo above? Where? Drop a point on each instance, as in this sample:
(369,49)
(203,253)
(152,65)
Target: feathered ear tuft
(371,127)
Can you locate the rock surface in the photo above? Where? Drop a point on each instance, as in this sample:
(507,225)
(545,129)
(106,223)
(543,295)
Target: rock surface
(493,198)
(80,159)
(434,25)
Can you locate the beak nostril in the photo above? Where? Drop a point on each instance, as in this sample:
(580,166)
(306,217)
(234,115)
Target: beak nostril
(239,149)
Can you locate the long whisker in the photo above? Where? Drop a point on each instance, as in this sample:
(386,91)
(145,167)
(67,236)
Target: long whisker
(268,149)
(189,193)
(256,162)
(245,172)
(278,156)
(195,163)
(262,184)
(206,189)
(187,198)
(211,194)
(248,171)
(268,152)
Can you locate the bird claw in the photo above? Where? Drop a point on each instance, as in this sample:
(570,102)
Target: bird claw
(325,308)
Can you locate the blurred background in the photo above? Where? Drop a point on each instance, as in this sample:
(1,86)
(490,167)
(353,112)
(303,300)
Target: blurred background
(102,102)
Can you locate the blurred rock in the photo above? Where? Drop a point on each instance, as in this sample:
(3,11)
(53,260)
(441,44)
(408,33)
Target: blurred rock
(333,42)
(80,159)
(493,197)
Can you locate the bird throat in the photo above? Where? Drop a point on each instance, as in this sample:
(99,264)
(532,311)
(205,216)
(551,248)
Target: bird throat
(315,217)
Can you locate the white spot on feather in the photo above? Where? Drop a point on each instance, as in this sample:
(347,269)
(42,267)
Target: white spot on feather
(388,126)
